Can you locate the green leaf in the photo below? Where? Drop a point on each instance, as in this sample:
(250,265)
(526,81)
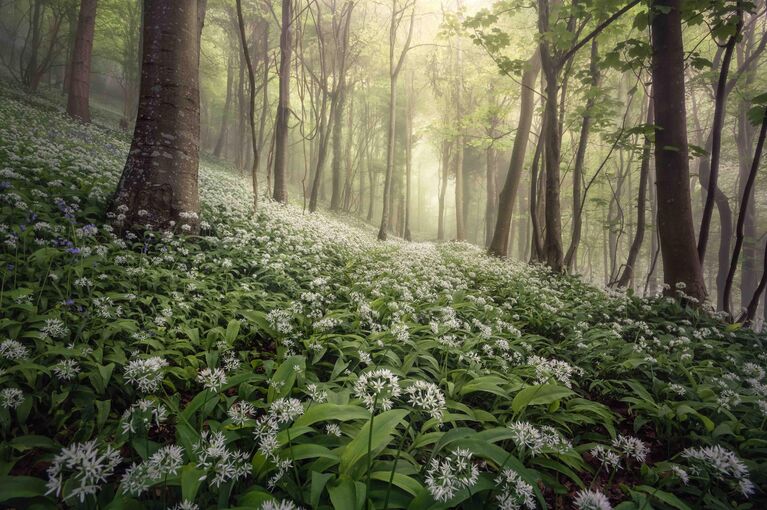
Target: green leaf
(284,377)
(384,426)
(20,487)
(190,481)
(543,394)
(663,496)
(327,411)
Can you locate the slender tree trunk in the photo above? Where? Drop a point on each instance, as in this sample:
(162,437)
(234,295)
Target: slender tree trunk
(225,115)
(409,157)
(337,135)
(444,172)
(580,156)
(283,105)
(636,245)
(80,74)
(159,183)
(491,181)
(251,103)
(716,132)
(744,204)
(681,264)
(500,242)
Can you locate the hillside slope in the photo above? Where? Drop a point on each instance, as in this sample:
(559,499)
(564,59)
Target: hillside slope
(243,365)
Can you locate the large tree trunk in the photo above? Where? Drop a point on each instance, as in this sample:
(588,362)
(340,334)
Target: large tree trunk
(571,257)
(337,135)
(500,242)
(444,172)
(158,186)
(675,227)
(80,74)
(491,181)
(745,141)
(283,105)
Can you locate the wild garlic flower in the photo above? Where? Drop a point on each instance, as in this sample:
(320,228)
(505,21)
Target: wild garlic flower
(333,429)
(212,379)
(66,370)
(279,505)
(162,464)
(317,395)
(11,398)
(186,505)
(536,439)
(591,500)
(13,350)
(681,474)
(141,416)
(241,412)
(377,388)
(453,473)
(145,374)
(213,457)
(608,458)
(285,410)
(427,397)
(515,493)
(631,447)
(721,464)
(83,467)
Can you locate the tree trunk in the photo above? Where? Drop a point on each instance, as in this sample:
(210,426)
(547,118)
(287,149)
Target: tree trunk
(251,103)
(337,128)
(283,105)
(740,233)
(444,172)
(227,105)
(572,252)
(80,74)
(491,203)
(158,186)
(500,242)
(636,245)
(677,233)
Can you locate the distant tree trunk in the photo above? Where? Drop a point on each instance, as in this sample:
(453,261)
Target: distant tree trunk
(337,128)
(227,105)
(580,156)
(636,245)
(716,132)
(744,205)
(491,203)
(80,74)
(251,103)
(500,242)
(675,227)
(394,69)
(283,105)
(409,157)
(159,183)
(536,243)
(753,304)
(460,213)
(444,172)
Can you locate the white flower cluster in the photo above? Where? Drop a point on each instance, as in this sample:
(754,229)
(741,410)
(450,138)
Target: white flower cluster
(140,417)
(163,463)
(721,464)
(82,467)
(591,500)
(538,439)
(377,389)
(214,458)
(145,374)
(447,476)
(515,493)
(427,397)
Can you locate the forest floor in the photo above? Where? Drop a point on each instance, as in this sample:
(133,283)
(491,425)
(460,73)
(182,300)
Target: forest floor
(292,356)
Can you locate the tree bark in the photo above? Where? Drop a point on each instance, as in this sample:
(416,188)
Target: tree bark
(158,186)
(251,103)
(80,74)
(675,227)
(283,104)
(500,242)
(444,172)
(225,115)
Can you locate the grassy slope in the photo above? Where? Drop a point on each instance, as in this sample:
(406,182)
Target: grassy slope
(323,296)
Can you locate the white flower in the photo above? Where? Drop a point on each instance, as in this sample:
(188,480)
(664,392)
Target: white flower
(377,388)
(146,374)
(631,447)
(515,493)
(241,412)
(285,410)
(455,472)
(279,505)
(591,500)
(11,398)
(140,416)
(316,394)
(722,464)
(13,350)
(83,467)
(212,379)
(66,369)
(332,429)
(186,505)
(428,397)
(217,460)
(681,474)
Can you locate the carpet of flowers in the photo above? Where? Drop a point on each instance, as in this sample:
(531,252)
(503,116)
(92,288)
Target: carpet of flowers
(287,360)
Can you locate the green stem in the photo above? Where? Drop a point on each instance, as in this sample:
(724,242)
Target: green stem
(394,467)
(370,447)
(500,471)
(295,468)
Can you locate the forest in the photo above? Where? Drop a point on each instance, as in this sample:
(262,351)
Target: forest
(383,254)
